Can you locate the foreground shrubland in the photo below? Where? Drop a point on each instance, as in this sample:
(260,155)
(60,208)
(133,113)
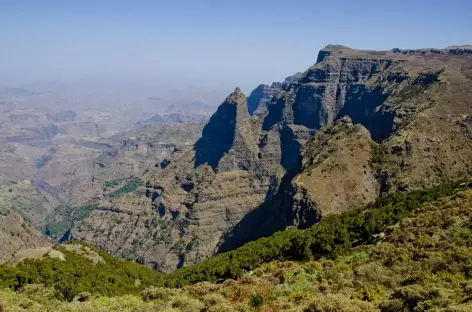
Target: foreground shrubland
(423,262)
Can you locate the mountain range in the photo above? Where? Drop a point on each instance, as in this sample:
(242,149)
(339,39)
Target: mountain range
(342,188)
(354,127)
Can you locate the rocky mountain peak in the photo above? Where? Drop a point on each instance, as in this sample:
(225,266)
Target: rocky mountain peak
(237,99)
(219,133)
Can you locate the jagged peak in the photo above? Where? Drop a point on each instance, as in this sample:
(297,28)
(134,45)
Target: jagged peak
(237,98)
(218,134)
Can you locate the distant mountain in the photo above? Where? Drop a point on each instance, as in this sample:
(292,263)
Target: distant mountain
(173,117)
(12,91)
(57,161)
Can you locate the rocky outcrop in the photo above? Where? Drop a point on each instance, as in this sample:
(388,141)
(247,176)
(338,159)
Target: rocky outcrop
(16,234)
(335,174)
(182,217)
(261,96)
(355,125)
(259,99)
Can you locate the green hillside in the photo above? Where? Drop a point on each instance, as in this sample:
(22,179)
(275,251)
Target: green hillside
(422,261)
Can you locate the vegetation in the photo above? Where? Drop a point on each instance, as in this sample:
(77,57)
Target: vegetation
(424,263)
(79,274)
(57,229)
(63,218)
(334,236)
(378,153)
(82,212)
(112,183)
(130,186)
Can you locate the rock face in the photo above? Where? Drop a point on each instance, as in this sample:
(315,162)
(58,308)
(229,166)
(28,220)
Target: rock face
(229,134)
(354,126)
(261,96)
(259,99)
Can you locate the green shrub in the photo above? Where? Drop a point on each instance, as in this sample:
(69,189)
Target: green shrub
(157,293)
(112,183)
(256,301)
(82,212)
(56,230)
(339,303)
(78,274)
(130,186)
(378,153)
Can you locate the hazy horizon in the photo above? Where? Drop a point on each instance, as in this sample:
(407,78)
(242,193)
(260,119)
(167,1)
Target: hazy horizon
(211,44)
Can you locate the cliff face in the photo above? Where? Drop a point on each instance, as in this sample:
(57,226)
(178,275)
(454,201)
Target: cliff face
(261,96)
(353,126)
(411,126)
(259,99)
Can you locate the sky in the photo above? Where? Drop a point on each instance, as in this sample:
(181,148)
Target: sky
(215,42)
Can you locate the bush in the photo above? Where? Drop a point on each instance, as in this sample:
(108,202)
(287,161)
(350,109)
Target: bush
(112,183)
(83,296)
(255,300)
(157,293)
(339,303)
(78,274)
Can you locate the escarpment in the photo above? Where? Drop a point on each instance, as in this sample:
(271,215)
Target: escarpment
(352,127)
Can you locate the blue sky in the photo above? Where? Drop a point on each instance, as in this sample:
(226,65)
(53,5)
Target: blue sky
(210,42)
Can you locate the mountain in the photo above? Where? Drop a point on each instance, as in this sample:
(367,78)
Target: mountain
(355,126)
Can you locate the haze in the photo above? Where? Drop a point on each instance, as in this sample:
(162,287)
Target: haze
(216,44)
